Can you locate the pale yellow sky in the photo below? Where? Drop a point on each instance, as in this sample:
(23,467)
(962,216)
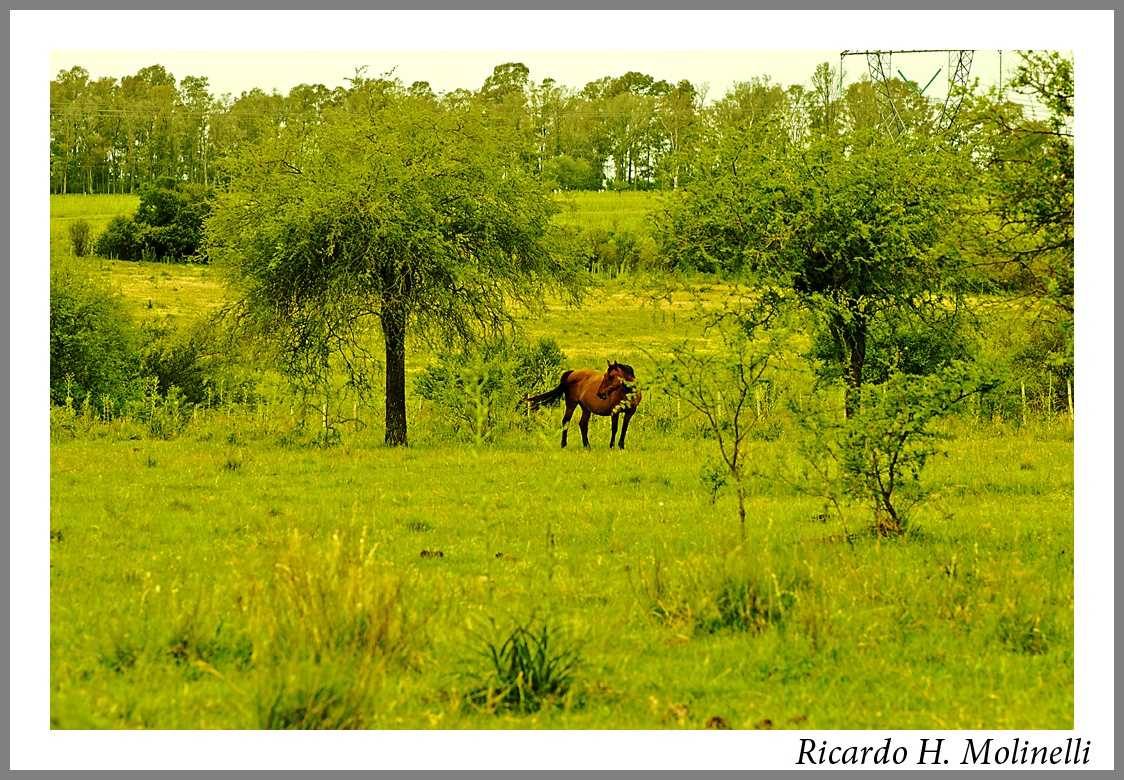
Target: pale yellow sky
(237,71)
(240,50)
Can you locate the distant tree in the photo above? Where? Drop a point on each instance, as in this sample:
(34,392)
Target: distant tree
(504,97)
(69,111)
(826,99)
(565,173)
(194,122)
(507,85)
(678,117)
(394,210)
(151,96)
(860,113)
(747,102)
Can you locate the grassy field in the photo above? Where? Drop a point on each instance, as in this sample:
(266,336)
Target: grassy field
(238,575)
(609,211)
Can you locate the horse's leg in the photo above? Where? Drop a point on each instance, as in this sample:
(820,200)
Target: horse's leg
(583,423)
(566,420)
(613,438)
(624,426)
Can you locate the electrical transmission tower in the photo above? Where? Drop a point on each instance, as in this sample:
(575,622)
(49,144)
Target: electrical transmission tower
(881,74)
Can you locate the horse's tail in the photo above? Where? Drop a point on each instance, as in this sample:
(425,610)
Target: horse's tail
(550,396)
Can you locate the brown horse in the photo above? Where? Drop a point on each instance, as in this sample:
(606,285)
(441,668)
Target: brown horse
(605,393)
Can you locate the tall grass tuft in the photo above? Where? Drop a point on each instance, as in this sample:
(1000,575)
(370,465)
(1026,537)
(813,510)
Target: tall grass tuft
(326,630)
(524,672)
(710,595)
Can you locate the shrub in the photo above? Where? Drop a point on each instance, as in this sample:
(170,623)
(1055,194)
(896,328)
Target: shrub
(1040,359)
(168,225)
(123,239)
(726,385)
(195,362)
(94,345)
(100,357)
(173,215)
(475,393)
(614,251)
(79,231)
(875,458)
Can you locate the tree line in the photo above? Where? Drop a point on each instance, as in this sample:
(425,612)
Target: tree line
(632,131)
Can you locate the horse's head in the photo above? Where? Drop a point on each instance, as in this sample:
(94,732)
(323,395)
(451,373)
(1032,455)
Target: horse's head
(615,377)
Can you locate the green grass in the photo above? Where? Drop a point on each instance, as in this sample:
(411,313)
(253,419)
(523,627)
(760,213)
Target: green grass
(97,210)
(609,211)
(167,557)
(237,575)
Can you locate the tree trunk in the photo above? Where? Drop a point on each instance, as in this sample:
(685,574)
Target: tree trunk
(853,374)
(849,336)
(394,335)
(740,489)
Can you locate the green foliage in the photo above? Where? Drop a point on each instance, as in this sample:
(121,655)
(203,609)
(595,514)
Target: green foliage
(875,458)
(566,173)
(168,225)
(195,361)
(1023,229)
(172,214)
(123,239)
(524,672)
(475,393)
(614,252)
(102,360)
(855,226)
(896,345)
(94,344)
(79,231)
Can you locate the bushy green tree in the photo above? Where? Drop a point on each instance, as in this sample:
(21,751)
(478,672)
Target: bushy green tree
(396,211)
(856,226)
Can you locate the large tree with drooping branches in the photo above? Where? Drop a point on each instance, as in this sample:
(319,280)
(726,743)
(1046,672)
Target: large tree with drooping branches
(395,211)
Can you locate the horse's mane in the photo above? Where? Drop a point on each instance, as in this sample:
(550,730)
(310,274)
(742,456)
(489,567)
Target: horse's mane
(627,369)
